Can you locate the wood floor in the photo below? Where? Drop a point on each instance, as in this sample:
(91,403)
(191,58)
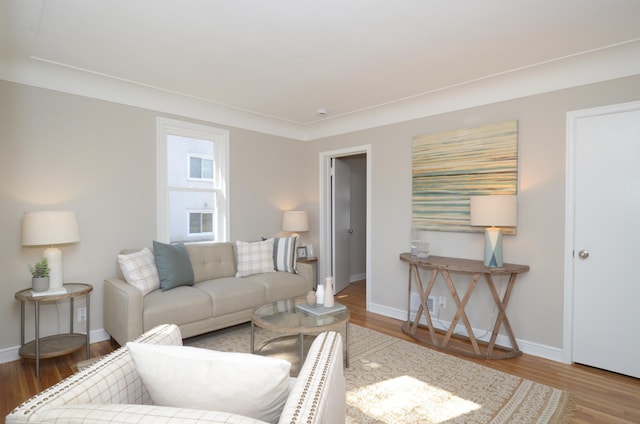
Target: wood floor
(599,396)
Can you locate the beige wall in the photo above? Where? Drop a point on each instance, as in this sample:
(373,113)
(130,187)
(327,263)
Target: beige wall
(536,307)
(60,151)
(98,158)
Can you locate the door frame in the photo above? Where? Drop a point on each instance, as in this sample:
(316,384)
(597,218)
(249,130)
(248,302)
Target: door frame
(325,211)
(569,236)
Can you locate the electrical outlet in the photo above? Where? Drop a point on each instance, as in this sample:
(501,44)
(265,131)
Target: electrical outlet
(442,302)
(82,314)
(431,305)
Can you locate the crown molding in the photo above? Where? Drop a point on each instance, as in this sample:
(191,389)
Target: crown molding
(53,76)
(599,65)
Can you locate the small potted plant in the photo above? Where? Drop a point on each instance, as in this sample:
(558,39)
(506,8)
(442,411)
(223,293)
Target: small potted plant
(40,275)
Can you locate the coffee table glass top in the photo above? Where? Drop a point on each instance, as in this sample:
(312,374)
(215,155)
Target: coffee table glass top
(284,317)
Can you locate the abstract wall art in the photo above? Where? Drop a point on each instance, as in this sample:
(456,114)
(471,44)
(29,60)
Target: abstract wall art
(451,166)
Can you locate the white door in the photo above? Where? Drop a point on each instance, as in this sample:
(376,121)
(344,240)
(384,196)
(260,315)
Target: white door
(341,224)
(606,284)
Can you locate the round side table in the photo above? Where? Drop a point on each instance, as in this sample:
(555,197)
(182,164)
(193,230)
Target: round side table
(58,344)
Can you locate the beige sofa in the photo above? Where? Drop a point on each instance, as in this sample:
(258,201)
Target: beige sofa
(218,299)
(111,391)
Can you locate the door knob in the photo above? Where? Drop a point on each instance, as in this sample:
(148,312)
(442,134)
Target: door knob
(350,231)
(583,254)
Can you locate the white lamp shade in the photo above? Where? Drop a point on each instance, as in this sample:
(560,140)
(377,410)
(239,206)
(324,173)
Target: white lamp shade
(493,211)
(295,221)
(49,228)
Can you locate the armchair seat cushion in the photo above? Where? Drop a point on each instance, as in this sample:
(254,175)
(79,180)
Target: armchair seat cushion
(90,413)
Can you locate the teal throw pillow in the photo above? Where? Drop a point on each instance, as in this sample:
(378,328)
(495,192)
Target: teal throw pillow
(173,264)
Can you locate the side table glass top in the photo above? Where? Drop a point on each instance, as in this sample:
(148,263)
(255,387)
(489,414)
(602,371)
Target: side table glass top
(283,316)
(72,290)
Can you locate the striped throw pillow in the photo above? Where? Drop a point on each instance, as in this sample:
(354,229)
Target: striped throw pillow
(284,254)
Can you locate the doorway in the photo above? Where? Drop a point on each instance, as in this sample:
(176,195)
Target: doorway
(345,199)
(603,205)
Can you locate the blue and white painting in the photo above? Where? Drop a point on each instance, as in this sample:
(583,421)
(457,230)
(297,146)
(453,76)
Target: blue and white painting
(451,166)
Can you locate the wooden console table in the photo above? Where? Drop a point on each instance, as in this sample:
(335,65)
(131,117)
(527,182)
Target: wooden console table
(444,265)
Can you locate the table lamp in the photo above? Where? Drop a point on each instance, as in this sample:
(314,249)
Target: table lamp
(493,212)
(294,221)
(50,228)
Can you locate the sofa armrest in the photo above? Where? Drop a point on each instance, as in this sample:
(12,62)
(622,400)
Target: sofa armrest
(319,393)
(123,307)
(306,272)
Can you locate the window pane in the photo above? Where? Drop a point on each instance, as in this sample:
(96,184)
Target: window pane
(207,168)
(195,167)
(207,222)
(194,223)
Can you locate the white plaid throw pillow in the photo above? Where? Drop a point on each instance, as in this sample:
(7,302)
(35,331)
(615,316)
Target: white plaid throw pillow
(254,258)
(139,270)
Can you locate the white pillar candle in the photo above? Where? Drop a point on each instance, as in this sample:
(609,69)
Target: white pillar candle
(320,295)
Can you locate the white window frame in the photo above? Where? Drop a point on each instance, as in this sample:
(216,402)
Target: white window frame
(166,127)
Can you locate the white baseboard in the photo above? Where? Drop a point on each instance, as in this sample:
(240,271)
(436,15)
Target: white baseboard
(530,348)
(11,354)
(358,277)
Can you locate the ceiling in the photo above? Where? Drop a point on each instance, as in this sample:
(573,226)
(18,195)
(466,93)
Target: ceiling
(272,65)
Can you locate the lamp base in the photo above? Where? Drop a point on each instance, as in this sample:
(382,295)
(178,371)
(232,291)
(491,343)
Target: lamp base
(493,247)
(54,259)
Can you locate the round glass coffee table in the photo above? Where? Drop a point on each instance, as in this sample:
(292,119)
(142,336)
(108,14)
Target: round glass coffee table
(286,317)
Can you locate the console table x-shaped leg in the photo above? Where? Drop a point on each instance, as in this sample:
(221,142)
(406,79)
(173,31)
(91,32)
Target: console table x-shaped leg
(443,266)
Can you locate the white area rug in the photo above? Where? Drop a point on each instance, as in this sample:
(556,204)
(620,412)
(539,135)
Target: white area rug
(394,381)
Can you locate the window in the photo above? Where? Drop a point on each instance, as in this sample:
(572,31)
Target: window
(192,199)
(200,222)
(200,168)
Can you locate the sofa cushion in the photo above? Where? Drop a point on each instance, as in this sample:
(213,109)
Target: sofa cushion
(189,377)
(254,257)
(179,306)
(174,265)
(212,260)
(229,295)
(280,285)
(284,253)
(139,270)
